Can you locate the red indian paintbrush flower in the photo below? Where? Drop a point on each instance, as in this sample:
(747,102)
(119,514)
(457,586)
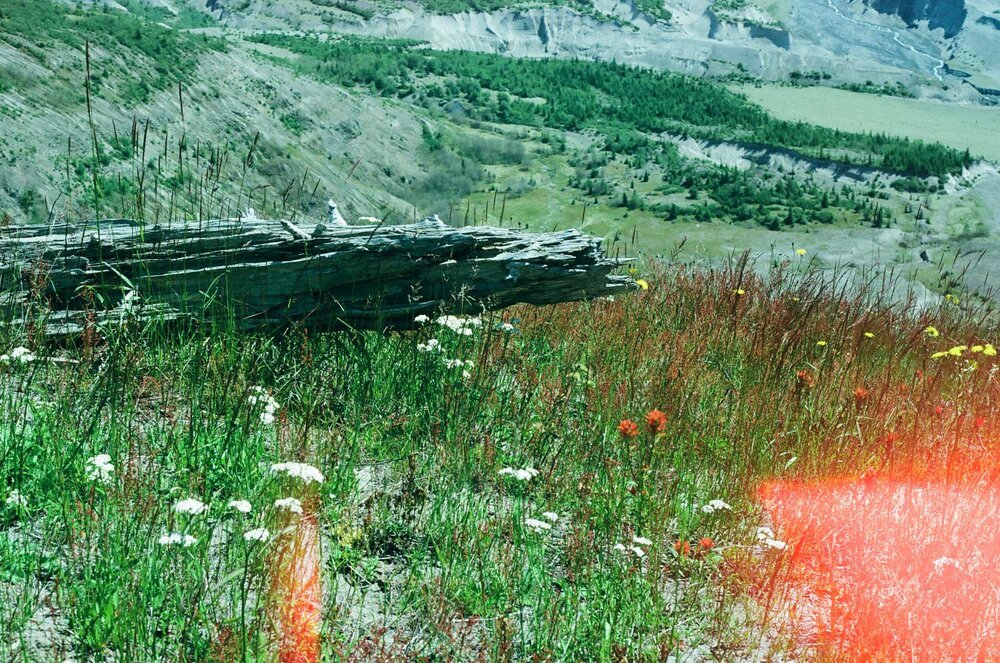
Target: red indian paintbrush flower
(706,543)
(656,421)
(682,547)
(805,379)
(628,428)
(860,395)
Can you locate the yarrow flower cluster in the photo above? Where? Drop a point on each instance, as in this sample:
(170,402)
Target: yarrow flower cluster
(19,355)
(177,539)
(16,499)
(432,345)
(240,505)
(765,535)
(270,406)
(421,319)
(527,474)
(100,469)
(288,504)
(259,534)
(539,525)
(461,326)
(303,471)
(942,562)
(634,548)
(715,505)
(191,507)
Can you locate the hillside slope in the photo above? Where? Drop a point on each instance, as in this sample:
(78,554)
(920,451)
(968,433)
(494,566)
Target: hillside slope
(281,123)
(893,42)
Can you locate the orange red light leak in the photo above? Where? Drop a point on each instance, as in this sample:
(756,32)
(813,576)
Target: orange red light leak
(296,594)
(893,569)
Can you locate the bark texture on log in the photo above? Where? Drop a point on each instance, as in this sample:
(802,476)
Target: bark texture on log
(272,273)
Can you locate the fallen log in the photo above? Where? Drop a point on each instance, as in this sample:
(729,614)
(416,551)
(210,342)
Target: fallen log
(263,273)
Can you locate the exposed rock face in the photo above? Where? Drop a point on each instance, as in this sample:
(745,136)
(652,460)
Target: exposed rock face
(728,30)
(949,15)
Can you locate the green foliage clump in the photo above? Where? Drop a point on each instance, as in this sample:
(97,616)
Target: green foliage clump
(575,95)
(160,56)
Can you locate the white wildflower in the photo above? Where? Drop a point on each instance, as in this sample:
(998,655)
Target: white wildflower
(526,474)
(289,504)
(551,515)
(100,468)
(307,473)
(191,506)
(421,319)
(635,550)
(764,533)
(941,562)
(642,541)
(259,396)
(716,505)
(466,375)
(508,328)
(432,345)
(20,355)
(537,525)
(16,499)
(177,539)
(240,505)
(459,363)
(259,534)
(461,326)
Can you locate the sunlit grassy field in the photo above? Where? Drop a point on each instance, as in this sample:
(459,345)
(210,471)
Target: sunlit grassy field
(579,482)
(963,127)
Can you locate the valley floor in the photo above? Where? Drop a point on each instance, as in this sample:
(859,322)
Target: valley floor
(971,127)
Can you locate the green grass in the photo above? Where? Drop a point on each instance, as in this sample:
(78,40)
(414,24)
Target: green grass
(413,511)
(961,127)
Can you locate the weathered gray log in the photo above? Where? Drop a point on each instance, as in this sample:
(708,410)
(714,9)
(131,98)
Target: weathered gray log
(272,273)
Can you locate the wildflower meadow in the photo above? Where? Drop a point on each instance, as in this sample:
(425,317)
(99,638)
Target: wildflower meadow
(728,464)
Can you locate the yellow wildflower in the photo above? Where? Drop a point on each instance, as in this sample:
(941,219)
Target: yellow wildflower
(739,292)
(989,350)
(939,355)
(800,252)
(957,350)
(976,349)
(869,335)
(642,283)
(932,332)
(821,344)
